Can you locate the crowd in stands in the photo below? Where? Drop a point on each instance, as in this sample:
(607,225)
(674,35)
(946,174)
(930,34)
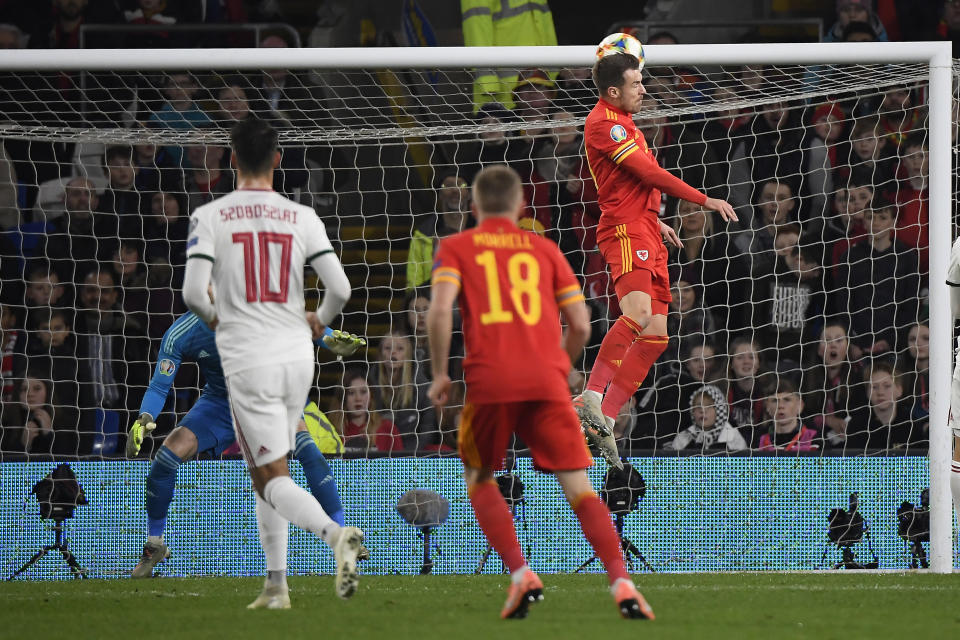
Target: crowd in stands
(803,328)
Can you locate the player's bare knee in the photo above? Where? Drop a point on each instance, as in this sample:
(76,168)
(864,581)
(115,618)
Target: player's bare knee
(574,484)
(182,442)
(301,426)
(474,476)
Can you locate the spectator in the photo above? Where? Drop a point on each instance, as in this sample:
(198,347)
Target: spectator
(868,149)
(899,117)
(110,345)
(206,179)
(859,32)
(359,426)
(44,289)
(128,263)
(745,388)
(161,13)
(710,430)
(686,318)
(886,424)
(123,198)
(788,306)
(76,240)
(235,103)
(827,125)
(785,430)
(855,11)
(52,354)
(949,26)
(913,197)
(166,229)
(62,31)
(11,350)
(708,258)
(180,111)
(286,94)
(33,425)
(918,349)
(775,206)
(831,384)
(848,224)
(664,404)
(877,285)
(148,167)
(400,391)
(453,201)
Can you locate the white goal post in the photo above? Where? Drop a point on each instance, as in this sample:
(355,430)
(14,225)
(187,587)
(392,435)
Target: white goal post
(937,55)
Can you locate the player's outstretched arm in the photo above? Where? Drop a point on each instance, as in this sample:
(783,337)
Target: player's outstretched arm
(196,281)
(439,330)
(336,286)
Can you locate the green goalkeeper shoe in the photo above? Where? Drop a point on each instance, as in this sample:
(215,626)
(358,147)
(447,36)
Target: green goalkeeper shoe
(152,555)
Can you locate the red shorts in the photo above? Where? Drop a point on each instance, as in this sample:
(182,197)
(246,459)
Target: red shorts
(637,263)
(550,428)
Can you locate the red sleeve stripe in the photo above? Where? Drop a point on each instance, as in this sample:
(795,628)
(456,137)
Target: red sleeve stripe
(447,271)
(563,290)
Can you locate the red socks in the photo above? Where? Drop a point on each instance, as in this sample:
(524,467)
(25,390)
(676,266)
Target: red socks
(496,522)
(615,344)
(598,528)
(633,370)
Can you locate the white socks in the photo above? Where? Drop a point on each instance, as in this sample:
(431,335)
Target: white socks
(955,486)
(591,392)
(273,536)
(299,507)
(155,540)
(517,575)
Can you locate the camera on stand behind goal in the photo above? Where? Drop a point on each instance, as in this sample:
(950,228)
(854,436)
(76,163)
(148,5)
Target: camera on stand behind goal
(913,526)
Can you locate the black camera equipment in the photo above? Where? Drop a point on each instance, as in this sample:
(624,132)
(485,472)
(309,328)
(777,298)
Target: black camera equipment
(425,510)
(511,488)
(913,526)
(58,494)
(623,489)
(846,528)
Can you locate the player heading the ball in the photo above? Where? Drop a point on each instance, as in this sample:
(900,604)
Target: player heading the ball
(631,238)
(253,244)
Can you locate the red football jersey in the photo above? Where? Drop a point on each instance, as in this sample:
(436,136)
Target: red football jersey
(628,177)
(512,285)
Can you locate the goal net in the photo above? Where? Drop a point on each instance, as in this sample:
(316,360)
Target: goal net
(796,382)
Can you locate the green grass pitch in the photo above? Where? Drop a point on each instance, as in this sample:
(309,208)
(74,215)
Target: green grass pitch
(848,606)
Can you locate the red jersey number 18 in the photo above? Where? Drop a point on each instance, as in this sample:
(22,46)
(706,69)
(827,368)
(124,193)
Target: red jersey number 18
(523,274)
(258,288)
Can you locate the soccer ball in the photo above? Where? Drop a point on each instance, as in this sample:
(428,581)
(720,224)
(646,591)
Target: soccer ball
(620,43)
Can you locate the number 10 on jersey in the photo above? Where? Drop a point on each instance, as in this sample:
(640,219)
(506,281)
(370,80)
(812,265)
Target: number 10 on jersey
(258,282)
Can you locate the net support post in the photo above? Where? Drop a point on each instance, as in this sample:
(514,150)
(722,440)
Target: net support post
(941,320)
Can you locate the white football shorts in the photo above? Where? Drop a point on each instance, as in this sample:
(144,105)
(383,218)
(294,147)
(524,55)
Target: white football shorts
(266,404)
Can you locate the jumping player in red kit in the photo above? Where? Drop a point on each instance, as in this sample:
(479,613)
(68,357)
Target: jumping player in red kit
(631,238)
(512,287)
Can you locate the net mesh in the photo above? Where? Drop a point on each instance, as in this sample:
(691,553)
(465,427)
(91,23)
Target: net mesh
(106,168)
(800,329)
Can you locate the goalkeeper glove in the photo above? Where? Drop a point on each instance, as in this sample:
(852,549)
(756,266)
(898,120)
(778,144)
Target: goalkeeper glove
(141,427)
(341,342)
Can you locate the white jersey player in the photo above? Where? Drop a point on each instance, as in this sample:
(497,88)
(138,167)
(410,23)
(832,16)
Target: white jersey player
(254,244)
(953,281)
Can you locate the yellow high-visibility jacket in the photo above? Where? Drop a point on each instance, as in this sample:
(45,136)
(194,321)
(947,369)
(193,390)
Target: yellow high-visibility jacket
(503,23)
(322,430)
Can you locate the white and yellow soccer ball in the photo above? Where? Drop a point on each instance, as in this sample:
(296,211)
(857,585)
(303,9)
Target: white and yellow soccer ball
(620,43)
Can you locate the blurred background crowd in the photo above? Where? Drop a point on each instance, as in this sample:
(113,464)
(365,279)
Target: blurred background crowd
(800,329)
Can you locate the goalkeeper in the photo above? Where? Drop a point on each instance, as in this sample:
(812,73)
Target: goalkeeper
(208,426)
(953,280)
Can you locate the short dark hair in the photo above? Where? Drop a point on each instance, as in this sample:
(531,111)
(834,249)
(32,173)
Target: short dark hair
(781,384)
(497,189)
(916,139)
(118,151)
(881,202)
(254,142)
(608,71)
